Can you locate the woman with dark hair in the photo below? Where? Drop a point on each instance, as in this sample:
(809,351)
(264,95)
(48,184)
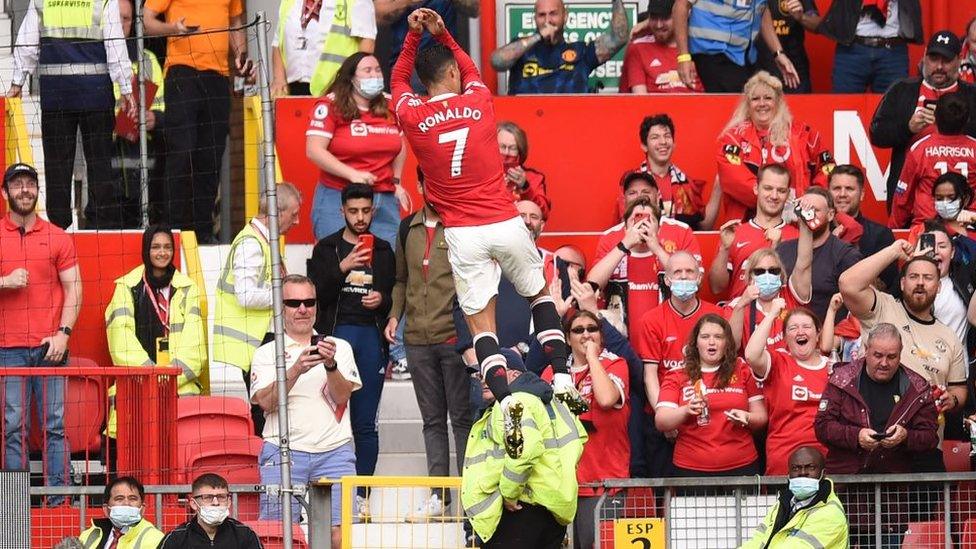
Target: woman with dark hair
(602,379)
(953,198)
(352,137)
(525,183)
(714,404)
(793,382)
(154,316)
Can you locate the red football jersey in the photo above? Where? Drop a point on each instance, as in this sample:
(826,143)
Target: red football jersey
(775,340)
(607,452)
(721,444)
(928,94)
(793,394)
(750,237)
(654,65)
(663,334)
(369,143)
(455,141)
(929,158)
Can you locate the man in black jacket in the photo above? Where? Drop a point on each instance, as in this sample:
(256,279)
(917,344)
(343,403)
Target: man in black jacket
(872,41)
(354,274)
(211,527)
(907,110)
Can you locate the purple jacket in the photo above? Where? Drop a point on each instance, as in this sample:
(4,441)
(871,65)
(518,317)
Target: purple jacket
(843,413)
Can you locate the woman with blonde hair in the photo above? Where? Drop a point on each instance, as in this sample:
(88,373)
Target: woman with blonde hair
(762,131)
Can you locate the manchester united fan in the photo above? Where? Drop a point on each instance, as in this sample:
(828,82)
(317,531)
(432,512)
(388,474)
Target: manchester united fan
(967,68)
(793,382)
(740,239)
(650,63)
(762,131)
(456,143)
(831,256)
(947,149)
(715,405)
(680,197)
(907,110)
(953,199)
(627,267)
(546,63)
(353,138)
(524,182)
(846,186)
(602,379)
(791,20)
(662,348)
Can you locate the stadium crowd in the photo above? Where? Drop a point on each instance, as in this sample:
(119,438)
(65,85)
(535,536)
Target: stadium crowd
(833,347)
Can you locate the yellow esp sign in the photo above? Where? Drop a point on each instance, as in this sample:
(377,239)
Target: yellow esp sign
(639,533)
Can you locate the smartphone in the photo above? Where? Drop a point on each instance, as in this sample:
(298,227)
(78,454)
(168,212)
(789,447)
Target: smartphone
(930,104)
(808,216)
(926,243)
(641,217)
(192,28)
(880,436)
(316,338)
(367,242)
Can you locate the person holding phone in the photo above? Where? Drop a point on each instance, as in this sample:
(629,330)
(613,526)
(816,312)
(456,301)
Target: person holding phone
(876,414)
(354,274)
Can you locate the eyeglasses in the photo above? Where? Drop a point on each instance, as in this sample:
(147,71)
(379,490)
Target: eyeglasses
(211,498)
(580,329)
(772,270)
(296,303)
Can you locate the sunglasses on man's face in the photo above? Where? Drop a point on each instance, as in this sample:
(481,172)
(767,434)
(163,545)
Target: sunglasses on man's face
(296,303)
(771,270)
(580,329)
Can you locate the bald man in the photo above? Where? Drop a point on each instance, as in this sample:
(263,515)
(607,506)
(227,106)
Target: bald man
(808,513)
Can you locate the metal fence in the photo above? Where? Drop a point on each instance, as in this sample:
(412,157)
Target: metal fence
(884,511)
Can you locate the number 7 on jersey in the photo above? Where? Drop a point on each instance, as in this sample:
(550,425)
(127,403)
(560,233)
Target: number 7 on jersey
(460,140)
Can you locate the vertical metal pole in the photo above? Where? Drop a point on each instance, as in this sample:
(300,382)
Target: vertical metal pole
(597,511)
(264,82)
(737,495)
(877,515)
(320,514)
(142,65)
(947,509)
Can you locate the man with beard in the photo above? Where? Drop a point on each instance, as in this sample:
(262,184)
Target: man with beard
(930,348)
(354,274)
(846,185)
(907,110)
(738,240)
(831,255)
(40,297)
(651,64)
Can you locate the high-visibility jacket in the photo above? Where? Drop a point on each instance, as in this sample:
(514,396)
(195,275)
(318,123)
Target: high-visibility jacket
(72,62)
(726,27)
(186,346)
(545,473)
(823,524)
(237,332)
(154,72)
(141,536)
(339,44)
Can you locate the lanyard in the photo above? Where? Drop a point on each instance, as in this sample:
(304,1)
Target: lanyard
(162,312)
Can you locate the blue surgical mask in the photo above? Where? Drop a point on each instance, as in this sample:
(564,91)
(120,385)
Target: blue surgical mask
(370,87)
(684,289)
(804,487)
(768,284)
(948,209)
(124,516)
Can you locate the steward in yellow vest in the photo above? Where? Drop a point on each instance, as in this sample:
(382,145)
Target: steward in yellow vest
(124,507)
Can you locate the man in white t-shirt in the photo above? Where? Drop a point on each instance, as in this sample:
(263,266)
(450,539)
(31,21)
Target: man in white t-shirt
(320,379)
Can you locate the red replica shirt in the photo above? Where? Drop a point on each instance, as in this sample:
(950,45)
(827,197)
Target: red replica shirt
(721,444)
(775,340)
(654,65)
(928,95)
(793,393)
(455,141)
(368,143)
(744,149)
(607,452)
(681,196)
(929,158)
(663,335)
(33,312)
(750,237)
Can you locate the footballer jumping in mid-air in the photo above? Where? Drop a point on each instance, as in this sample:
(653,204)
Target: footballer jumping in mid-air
(453,135)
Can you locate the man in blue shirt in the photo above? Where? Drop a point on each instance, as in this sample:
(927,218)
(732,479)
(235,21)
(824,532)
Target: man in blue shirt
(546,63)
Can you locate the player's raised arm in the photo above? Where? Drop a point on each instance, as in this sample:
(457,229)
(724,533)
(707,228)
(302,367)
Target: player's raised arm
(435,25)
(403,68)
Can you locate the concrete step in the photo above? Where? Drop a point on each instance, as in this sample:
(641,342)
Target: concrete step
(398,402)
(409,464)
(432,535)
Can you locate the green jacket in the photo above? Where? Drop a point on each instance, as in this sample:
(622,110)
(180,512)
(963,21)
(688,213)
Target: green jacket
(823,524)
(545,474)
(141,536)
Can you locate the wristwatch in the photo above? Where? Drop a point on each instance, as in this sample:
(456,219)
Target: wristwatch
(65,330)
(334,367)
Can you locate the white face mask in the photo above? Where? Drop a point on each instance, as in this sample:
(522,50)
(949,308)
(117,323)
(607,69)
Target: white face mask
(214,516)
(124,516)
(948,209)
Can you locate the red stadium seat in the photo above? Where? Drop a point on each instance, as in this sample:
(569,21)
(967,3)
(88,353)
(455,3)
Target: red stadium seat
(233,457)
(84,413)
(956,456)
(925,535)
(204,416)
(271,534)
